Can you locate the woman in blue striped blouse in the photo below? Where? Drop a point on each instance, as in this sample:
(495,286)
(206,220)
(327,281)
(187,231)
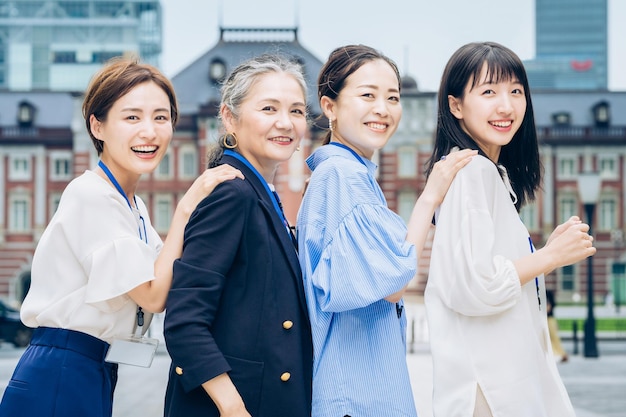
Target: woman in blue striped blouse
(357,256)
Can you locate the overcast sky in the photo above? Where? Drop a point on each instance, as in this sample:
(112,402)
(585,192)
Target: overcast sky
(420,35)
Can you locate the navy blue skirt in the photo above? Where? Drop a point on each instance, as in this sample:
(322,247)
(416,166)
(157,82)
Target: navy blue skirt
(61,373)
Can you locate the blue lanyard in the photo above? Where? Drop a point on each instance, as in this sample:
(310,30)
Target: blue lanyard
(356,155)
(117,185)
(272,194)
(109,174)
(532,250)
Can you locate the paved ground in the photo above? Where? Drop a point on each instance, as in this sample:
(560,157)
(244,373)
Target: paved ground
(596,386)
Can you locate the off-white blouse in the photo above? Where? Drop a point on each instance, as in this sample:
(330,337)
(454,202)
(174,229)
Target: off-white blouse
(87,259)
(485,329)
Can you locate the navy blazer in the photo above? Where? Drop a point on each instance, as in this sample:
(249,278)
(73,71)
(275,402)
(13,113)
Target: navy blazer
(237,305)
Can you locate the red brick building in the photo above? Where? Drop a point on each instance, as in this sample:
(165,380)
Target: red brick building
(43,145)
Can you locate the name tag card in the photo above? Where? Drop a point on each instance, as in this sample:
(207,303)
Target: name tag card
(133,350)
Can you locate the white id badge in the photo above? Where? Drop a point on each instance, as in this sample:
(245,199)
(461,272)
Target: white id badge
(132,350)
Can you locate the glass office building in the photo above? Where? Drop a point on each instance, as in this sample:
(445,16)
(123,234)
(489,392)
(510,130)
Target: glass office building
(571,45)
(58,45)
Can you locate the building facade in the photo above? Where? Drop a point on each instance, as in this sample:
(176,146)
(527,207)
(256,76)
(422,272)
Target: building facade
(59,45)
(578,132)
(39,152)
(571,45)
(44,145)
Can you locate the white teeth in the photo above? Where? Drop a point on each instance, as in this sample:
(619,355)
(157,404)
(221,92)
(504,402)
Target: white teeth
(502,124)
(145,148)
(379,126)
(281,139)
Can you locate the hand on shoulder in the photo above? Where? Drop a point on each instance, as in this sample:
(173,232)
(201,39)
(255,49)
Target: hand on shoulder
(444,172)
(205,184)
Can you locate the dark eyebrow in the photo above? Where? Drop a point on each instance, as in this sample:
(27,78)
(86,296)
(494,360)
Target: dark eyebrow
(375,87)
(273,100)
(133,109)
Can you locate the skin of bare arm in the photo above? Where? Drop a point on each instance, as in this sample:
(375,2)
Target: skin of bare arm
(225,396)
(434,192)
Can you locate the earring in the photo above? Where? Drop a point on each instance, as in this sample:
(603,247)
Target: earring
(230,141)
(298,149)
(330,124)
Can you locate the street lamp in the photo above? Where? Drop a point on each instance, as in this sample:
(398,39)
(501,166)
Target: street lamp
(589,190)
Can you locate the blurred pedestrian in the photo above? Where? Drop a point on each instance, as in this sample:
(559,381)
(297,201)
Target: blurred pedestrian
(357,255)
(555,339)
(100,264)
(485,296)
(236,324)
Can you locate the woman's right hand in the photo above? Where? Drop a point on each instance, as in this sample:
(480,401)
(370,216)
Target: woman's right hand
(240,412)
(225,396)
(205,184)
(443,173)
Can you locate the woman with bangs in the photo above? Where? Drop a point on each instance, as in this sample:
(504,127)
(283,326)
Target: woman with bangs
(485,296)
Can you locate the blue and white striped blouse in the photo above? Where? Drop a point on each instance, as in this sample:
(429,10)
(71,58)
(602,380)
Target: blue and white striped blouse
(353,254)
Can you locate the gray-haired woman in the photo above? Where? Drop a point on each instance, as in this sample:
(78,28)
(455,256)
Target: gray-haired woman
(236,326)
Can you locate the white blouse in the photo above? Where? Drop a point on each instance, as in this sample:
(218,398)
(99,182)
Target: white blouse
(87,259)
(485,329)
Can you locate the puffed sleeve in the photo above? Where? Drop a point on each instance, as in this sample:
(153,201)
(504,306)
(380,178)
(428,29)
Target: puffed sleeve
(365,260)
(212,237)
(469,274)
(104,237)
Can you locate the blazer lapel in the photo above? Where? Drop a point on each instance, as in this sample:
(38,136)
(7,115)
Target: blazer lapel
(287,244)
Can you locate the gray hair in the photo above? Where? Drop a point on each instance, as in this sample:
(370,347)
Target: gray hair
(240,81)
(243,77)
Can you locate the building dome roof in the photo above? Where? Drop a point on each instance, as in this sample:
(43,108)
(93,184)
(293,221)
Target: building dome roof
(408,83)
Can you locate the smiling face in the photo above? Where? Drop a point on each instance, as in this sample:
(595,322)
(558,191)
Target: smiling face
(271,122)
(367,110)
(136,132)
(490,112)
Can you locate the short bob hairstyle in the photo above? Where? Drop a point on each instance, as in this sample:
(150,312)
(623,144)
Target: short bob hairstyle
(520,157)
(118,76)
(343,62)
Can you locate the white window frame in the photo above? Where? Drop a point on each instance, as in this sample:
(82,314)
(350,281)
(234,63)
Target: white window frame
(613,172)
(407,162)
(20,222)
(562,275)
(570,173)
(607,213)
(166,164)
(56,157)
(20,174)
(406,202)
(161,221)
(563,199)
(184,152)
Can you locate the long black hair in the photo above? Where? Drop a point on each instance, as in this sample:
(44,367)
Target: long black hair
(520,157)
